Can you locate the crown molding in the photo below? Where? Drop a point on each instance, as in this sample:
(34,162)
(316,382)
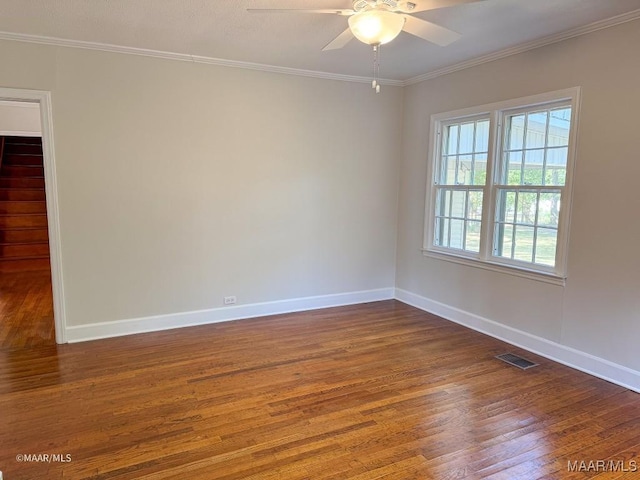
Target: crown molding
(105,47)
(524,47)
(292,71)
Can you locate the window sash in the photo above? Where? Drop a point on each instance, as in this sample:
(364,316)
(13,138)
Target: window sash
(502,168)
(447,215)
(502,223)
(445,155)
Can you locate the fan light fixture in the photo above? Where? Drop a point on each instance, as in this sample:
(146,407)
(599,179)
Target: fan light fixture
(376,26)
(376,22)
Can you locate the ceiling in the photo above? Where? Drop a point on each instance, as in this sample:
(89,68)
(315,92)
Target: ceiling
(223,29)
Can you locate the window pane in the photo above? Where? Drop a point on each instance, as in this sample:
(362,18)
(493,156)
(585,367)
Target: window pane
(473,236)
(466,137)
(506,206)
(536,129)
(555,176)
(503,239)
(452,140)
(457,234)
(514,168)
(474,205)
(458,203)
(448,170)
(446,203)
(442,232)
(549,209)
(465,166)
(557,157)
(482,136)
(546,242)
(533,162)
(559,123)
(526,212)
(516,132)
(523,244)
(480,169)
(439,200)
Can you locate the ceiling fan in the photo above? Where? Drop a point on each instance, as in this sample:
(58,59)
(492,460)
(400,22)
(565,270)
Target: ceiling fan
(376,22)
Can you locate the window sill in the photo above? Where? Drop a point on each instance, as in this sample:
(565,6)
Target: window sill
(515,271)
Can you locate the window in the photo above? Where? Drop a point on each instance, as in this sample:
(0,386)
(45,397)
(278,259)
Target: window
(499,189)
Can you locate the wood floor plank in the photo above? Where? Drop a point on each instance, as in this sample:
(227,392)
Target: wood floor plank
(26,309)
(363,392)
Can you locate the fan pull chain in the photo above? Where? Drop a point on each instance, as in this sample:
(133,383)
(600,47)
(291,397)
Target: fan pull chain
(375,84)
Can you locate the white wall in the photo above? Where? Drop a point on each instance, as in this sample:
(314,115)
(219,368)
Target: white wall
(20,118)
(181,183)
(598,312)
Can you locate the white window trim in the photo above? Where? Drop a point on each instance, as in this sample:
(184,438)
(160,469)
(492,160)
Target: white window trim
(484,258)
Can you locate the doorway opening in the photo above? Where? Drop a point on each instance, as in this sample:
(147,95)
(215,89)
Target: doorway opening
(31,312)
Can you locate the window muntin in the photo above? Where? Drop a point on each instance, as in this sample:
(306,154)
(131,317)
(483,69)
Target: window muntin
(501,184)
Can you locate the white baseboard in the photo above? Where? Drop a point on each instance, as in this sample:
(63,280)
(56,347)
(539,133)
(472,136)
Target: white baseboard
(156,323)
(585,362)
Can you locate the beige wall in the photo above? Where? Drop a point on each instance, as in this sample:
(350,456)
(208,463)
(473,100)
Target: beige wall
(182,183)
(598,311)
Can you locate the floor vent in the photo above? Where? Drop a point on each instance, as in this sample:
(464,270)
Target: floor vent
(516,361)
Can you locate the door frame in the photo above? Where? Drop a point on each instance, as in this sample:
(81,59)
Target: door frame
(43,98)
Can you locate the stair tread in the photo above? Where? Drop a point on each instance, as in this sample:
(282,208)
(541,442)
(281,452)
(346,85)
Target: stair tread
(24,138)
(24,235)
(14,259)
(23,228)
(20,214)
(38,242)
(13,182)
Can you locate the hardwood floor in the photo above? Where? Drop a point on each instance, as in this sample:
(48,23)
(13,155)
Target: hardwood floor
(26,309)
(375,391)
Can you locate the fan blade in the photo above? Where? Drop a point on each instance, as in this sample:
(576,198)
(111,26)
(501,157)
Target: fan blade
(340,41)
(335,11)
(424,5)
(429,31)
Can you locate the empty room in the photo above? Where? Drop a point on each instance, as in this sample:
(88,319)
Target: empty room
(321,240)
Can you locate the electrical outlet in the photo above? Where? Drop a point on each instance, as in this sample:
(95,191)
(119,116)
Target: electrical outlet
(230,300)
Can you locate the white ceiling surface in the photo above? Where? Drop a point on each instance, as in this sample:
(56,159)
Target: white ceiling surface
(223,29)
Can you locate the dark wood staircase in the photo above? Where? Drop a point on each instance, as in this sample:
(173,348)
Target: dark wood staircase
(24,241)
